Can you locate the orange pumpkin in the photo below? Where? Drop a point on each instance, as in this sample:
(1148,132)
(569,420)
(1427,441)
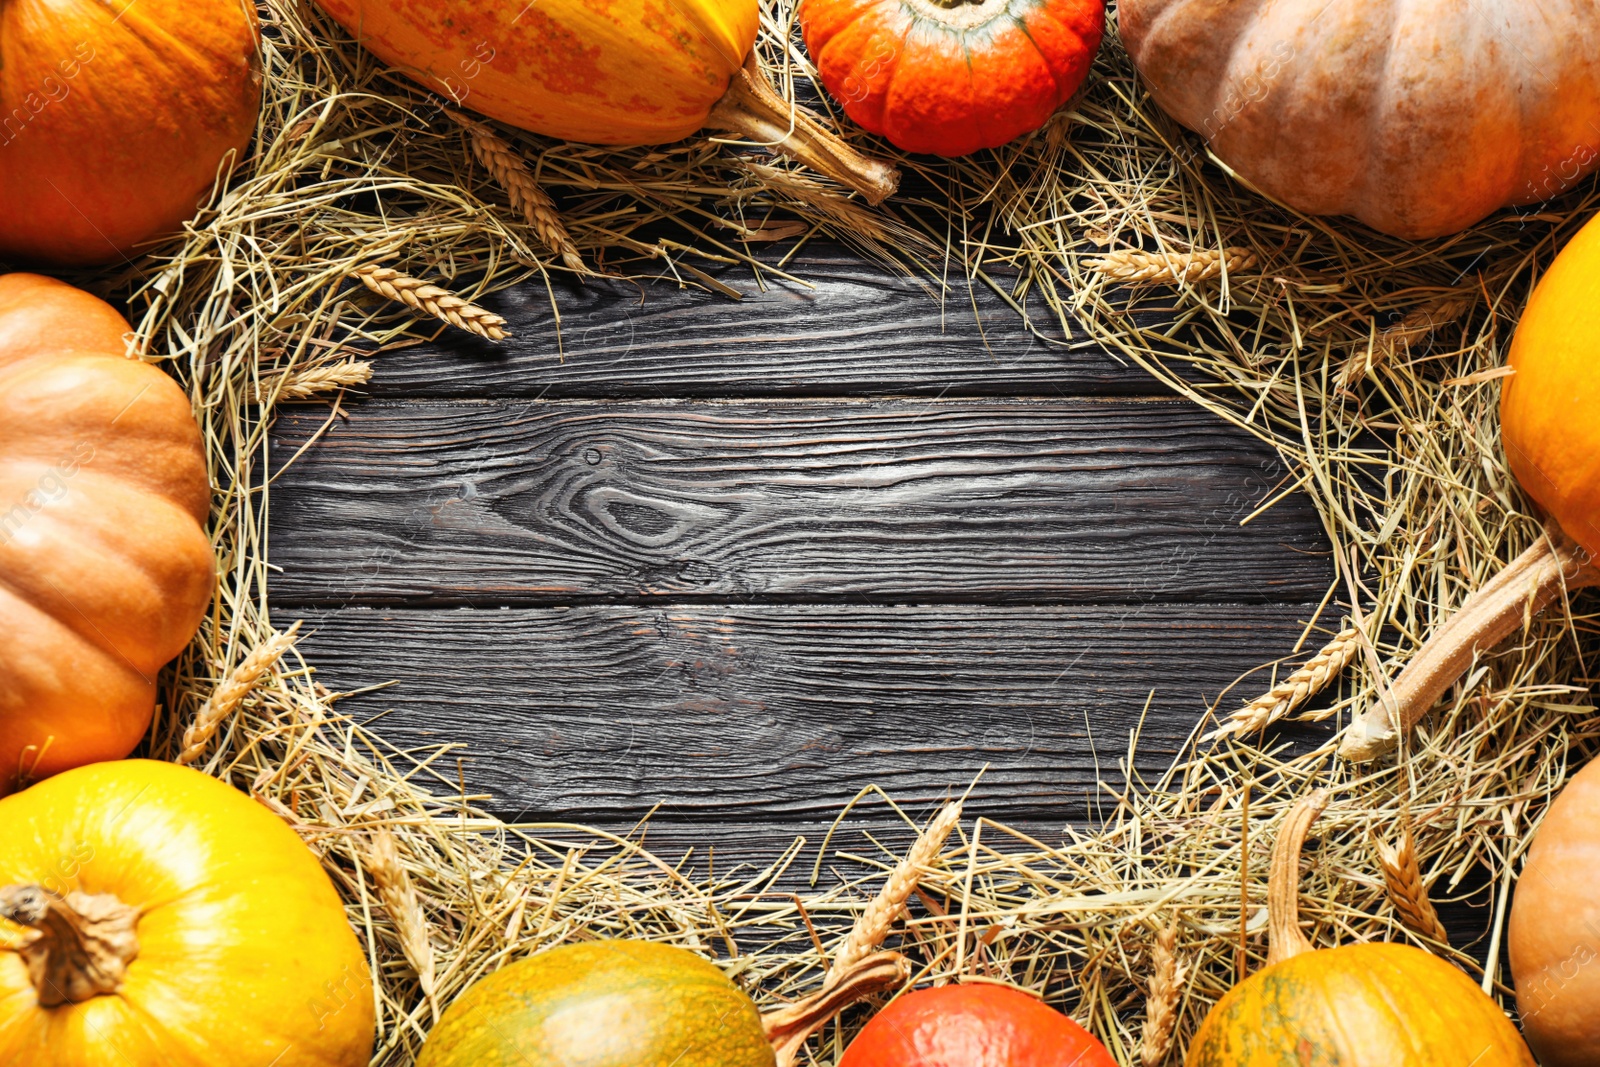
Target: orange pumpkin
(977,1025)
(621,72)
(951,78)
(1554,933)
(114,117)
(171,921)
(1370,1005)
(1419,118)
(105,569)
(1550,424)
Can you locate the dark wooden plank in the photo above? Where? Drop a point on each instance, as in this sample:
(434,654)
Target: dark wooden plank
(1122,501)
(861,331)
(780,713)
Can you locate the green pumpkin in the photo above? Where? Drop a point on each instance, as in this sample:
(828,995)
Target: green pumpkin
(602,1004)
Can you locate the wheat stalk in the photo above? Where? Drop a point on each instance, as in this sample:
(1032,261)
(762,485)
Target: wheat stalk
(399,898)
(227,697)
(1402,876)
(1161,1002)
(529,199)
(1392,341)
(302,385)
(432,300)
(1295,690)
(873,924)
(1173,268)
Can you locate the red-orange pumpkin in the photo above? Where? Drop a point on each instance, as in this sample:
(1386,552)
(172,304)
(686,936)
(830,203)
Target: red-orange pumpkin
(114,117)
(105,567)
(949,78)
(976,1025)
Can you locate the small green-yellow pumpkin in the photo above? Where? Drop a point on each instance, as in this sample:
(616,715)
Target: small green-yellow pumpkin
(602,1004)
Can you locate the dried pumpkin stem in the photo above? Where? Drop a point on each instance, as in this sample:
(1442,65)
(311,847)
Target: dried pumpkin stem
(755,111)
(79,946)
(788,1028)
(1526,587)
(1284,937)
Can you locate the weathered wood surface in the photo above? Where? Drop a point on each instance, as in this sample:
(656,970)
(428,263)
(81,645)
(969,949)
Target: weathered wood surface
(1076,501)
(768,713)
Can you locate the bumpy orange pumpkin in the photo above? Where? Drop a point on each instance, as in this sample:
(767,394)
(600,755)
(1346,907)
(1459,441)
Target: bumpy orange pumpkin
(1419,118)
(1554,934)
(1371,1005)
(1550,425)
(949,78)
(105,569)
(114,117)
(977,1025)
(618,72)
(171,921)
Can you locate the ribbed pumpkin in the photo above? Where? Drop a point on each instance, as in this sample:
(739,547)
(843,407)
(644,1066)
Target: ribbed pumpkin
(1369,1005)
(949,78)
(114,117)
(618,72)
(174,922)
(105,569)
(1419,117)
(977,1025)
(1550,426)
(1554,934)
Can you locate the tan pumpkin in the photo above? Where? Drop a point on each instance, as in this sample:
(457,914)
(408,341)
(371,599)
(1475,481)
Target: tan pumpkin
(105,567)
(1419,118)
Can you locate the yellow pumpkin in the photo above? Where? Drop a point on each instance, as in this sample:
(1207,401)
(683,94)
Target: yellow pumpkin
(1554,933)
(168,920)
(1417,117)
(1550,425)
(1371,1005)
(105,566)
(617,72)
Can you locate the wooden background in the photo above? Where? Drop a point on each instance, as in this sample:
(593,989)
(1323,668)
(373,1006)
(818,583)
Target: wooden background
(729,562)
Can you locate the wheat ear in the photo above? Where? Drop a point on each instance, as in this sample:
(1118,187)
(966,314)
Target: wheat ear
(227,697)
(1172,268)
(1398,339)
(873,925)
(399,898)
(527,197)
(1402,876)
(1295,690)
(432,300)
(1161,1002)
(302,385)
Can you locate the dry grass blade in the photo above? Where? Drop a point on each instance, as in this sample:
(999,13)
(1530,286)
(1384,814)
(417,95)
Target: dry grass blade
(1167,979)
(432,300)
(531,201)
(873,925)
(400,901)
(1402,875)
(1172,268)
(227,697)
(313,381)
(1306,682)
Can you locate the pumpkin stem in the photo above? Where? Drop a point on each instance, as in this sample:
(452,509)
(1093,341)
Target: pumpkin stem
(753,109)
(789,1028)
(1284,937)
(1526,587)
(79,946)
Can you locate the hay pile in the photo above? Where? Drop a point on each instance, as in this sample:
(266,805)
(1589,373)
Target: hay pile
(1369,363)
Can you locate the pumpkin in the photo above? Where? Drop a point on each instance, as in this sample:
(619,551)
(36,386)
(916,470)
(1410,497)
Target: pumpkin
(1554,933)
(114,118)
(976,1025)
(1366,1005)
(1550,424)
(636,1004)
(949,78)
(1419,118)
(168,919)
(105,568)
(624,72)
